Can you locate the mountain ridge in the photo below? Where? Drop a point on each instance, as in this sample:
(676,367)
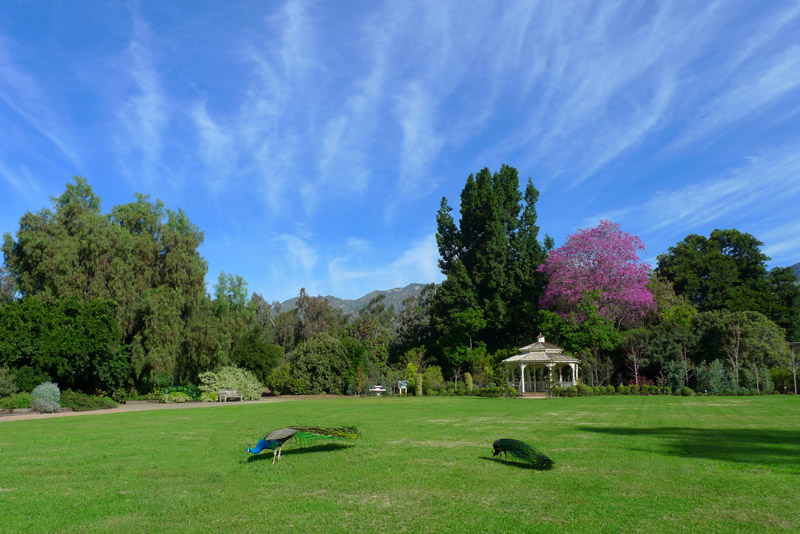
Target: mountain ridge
(394,298)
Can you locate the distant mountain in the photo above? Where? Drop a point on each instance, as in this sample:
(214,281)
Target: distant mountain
(796,269)
(394,298)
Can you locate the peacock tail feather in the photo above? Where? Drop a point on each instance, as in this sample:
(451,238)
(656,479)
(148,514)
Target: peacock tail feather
(308,434)
(524,452)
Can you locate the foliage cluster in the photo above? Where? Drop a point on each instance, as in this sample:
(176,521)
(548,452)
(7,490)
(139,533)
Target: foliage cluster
(46,398)
(16,401)
(231,377)
(81,402)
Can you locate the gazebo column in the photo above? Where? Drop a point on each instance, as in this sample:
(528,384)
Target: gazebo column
(522,378)
(550,373)
(574,367)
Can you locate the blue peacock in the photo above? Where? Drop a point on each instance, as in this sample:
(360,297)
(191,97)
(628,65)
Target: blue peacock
(303,436)
(522,451)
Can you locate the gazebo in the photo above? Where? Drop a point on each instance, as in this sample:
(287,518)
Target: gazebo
(538,358)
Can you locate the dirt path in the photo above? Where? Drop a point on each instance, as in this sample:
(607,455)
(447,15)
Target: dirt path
(147,406)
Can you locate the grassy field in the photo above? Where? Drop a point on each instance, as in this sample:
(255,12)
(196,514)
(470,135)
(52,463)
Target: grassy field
(623,464)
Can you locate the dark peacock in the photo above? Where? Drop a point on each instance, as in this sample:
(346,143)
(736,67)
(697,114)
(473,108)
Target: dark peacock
(523,451)
(303,436)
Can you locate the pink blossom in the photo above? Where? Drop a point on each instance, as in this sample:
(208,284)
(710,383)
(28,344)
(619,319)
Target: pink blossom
(605,260)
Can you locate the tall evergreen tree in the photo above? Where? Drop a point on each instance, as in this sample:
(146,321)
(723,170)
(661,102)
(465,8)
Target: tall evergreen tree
(490,257)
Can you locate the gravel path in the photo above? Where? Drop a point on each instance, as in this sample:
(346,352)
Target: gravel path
(147,406)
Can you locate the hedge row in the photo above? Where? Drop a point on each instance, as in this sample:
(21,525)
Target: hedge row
(582,390)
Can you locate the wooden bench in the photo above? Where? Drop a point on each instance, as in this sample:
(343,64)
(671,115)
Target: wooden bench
(228,394)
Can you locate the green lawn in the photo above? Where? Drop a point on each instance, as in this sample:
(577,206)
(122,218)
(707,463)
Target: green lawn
(623,464)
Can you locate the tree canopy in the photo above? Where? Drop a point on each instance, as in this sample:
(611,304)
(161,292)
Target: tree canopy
(602,260)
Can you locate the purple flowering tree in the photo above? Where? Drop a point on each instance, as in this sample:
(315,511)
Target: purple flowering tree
(602,263)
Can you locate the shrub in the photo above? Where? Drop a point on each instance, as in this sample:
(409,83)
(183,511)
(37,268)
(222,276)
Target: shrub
(584,390)
(635,389)
(620,389)
(468,381)
(491,392)
(418,388)
(17,401)
(559,391)
(7,384)
(236,378)
(687,391)
(80,402)
(461,392)
(572,391)
(46,398)
(175,396)
(192,391)
(511,391)
(281,380)
(206,396)
(120,395)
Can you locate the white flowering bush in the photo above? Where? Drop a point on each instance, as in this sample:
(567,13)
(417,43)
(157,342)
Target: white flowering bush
(232,377)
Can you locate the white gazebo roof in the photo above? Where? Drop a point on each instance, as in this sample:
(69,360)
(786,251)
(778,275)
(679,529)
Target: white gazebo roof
(540,352)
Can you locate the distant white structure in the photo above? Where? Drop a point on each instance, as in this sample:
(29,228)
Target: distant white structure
(545,356)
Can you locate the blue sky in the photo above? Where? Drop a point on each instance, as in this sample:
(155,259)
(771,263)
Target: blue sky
(313,141)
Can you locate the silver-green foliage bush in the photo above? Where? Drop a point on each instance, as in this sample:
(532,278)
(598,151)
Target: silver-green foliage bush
(46,398)
(232,377)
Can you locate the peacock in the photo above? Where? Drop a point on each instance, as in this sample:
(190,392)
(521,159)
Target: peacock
(523,451)
(305,434)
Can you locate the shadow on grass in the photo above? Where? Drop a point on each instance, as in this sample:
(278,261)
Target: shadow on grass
(775,449)
(326,447)
(520,465)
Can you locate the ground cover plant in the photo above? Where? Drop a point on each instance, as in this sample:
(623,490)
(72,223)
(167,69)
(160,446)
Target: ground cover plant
(622,464)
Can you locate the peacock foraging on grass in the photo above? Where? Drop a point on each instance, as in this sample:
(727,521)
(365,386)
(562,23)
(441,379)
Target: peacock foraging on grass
(523,451)
(304,435)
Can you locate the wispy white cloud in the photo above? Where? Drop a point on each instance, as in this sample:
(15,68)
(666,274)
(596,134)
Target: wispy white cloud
(24,184)
(782,242)
(752,190)
(299,254)
(777,79)
(21,92)
(146,113)
(217,148)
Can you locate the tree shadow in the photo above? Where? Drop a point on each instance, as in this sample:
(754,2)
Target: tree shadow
(775,449)
(267,455)
(519,465)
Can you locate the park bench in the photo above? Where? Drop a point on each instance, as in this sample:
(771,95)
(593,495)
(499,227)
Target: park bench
(228,394)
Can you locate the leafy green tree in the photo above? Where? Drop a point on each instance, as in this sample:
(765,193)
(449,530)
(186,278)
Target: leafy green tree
(320,362)
(727,271)
(231,291)
(318,315)
(252,352)
(585,333)
(746,339)
(140,256)
(634,346)
(75,342)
